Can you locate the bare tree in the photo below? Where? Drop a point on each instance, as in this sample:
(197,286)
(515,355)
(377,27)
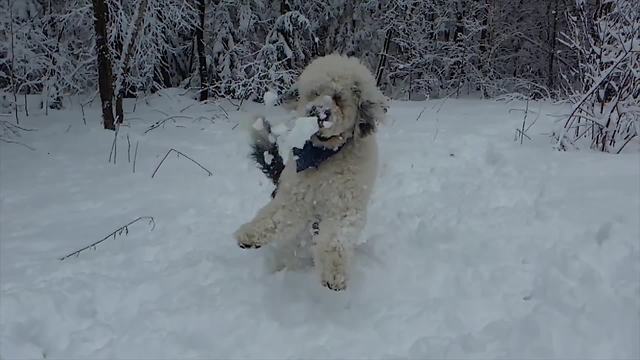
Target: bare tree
(606,38)
(383,56)
(552,13)
(13,61)
(202,58)
(128,48)
(105,75)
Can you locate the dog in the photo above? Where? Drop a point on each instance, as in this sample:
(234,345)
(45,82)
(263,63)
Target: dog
(319,206)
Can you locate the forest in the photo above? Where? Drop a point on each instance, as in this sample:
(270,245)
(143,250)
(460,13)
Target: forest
(584,52)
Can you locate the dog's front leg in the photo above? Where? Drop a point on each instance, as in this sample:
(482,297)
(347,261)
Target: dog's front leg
(333,248)
(278,219)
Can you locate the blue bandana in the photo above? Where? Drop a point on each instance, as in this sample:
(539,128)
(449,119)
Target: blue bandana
(312,156)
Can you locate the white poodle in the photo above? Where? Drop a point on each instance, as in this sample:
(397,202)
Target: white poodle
(319,206)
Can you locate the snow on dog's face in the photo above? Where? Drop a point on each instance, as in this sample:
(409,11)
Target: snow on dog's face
(341,93)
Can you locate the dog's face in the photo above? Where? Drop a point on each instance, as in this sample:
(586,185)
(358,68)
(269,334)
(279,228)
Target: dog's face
(336,113)
(341,93)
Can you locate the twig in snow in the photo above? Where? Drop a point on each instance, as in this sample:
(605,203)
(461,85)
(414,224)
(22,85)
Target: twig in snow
(10,131)
(93,97)
(435,134)
(188,106)
(128,149)
(236,105)
(521,132)
(161,112)
(178,153)
(26,105)
(625,143)
(8,127)
(421,112)
(17,143)
(123,229)
(224,111)
(114,145)
(206,118)
(444,100)
(84,120)
(135,156)
(157,124)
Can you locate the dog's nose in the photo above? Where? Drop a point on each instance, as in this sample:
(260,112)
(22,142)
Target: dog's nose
(323,117)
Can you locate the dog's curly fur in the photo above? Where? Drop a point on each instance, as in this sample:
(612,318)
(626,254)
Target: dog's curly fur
(321,212)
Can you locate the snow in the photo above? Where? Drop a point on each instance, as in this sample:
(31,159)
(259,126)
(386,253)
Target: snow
(279,129)
(258,124)
(301,131)
(267,157)
(476,246)
(289,131)
(270,98)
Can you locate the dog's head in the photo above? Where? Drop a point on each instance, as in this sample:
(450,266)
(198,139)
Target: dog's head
(342,93)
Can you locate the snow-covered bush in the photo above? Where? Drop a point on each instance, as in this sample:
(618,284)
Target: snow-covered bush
(288,47)
(606,83)
(146,36)
(45,49)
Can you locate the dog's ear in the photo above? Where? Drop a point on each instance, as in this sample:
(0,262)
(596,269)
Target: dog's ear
(371,109)
(367,123)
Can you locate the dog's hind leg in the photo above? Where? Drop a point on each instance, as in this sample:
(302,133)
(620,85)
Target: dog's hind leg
(333,248)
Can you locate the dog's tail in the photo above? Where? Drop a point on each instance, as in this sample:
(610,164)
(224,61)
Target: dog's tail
(264,150)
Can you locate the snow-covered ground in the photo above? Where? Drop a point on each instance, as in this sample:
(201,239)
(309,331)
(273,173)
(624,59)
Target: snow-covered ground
(476,246)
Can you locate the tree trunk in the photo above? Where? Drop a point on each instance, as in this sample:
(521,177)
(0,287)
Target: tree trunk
(383,57)
(13,68)
(119,108)
(285,7)
(126,54)
(552,43)
(105,76)
(119,82)
(202,59)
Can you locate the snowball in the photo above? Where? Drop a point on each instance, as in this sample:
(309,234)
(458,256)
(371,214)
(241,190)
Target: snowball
(270,98)
(279,130)
(302,131)
(267,158)
(258,124)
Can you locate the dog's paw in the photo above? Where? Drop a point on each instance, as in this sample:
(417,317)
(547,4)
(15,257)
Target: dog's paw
(334,281)
(246,238)
(249,245)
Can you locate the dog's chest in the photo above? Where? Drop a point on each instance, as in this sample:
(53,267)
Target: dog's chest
(312,157)
(338,180)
